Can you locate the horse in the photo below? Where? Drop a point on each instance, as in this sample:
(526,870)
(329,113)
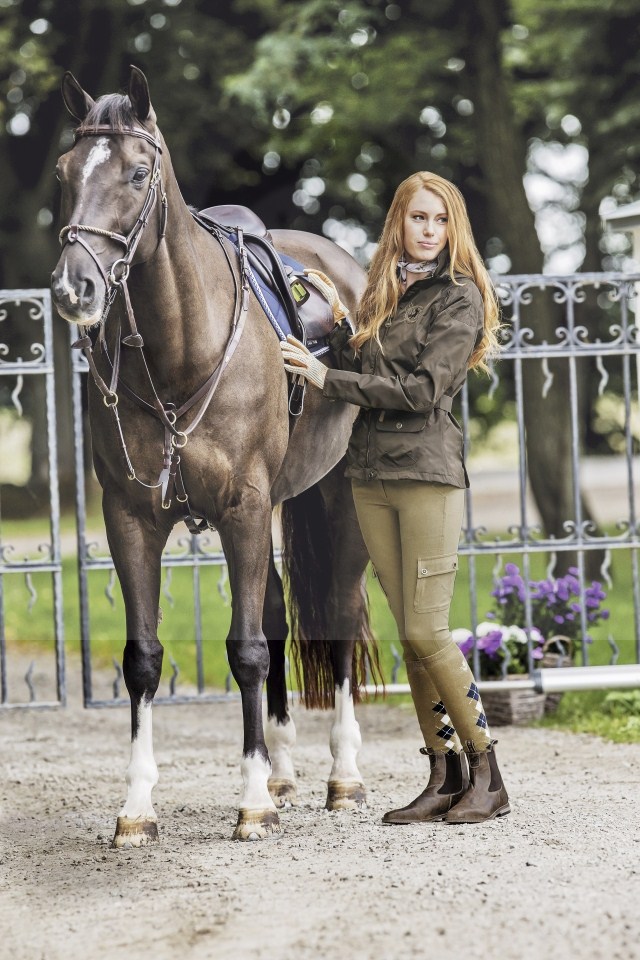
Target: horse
(188,410)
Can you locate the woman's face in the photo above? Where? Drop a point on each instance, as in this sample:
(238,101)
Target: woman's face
(425,226)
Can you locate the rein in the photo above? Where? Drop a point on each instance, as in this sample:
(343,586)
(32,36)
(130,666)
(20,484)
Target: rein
(115,279)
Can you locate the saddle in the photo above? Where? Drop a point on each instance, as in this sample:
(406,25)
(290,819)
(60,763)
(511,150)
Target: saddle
(292,299)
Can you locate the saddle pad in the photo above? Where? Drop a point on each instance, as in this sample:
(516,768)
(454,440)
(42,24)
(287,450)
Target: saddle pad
(272,305)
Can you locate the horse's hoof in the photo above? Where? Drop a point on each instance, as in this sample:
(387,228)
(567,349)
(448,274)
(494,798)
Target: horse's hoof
(135,833)
(284,793)
(343,795)
(257,825)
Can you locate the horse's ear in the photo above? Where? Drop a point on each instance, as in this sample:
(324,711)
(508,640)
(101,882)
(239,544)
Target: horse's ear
(77,102)
(139,94)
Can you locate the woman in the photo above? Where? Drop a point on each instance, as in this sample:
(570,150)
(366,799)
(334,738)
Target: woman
(428,314)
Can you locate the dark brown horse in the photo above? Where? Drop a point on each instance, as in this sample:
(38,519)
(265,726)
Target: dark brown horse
(197,362)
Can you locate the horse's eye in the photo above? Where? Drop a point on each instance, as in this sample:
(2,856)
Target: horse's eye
(140,175)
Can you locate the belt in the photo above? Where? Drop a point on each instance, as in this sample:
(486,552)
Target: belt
(445,403)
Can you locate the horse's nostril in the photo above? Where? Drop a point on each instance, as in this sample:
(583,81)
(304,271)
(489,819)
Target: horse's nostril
(87,292)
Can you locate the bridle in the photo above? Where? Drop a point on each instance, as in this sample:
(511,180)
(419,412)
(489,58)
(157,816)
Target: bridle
(116,279)
(118,273)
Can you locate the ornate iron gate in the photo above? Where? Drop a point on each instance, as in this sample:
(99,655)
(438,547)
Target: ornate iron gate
(596,327)
(596,336)
(26,562)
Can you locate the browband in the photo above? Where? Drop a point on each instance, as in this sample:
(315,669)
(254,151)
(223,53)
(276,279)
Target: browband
(101,129)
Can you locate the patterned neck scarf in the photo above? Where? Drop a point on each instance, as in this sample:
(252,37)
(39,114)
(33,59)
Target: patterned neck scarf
(426,267)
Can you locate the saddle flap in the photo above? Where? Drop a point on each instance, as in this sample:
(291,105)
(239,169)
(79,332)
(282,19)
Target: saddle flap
(315,312)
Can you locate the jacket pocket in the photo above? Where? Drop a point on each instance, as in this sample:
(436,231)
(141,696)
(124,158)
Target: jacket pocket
(434,583)
(397,421)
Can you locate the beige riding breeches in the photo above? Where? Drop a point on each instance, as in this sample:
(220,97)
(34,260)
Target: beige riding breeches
(412,529)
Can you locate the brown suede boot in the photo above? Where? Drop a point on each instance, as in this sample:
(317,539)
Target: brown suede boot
(448,781)
(486,798)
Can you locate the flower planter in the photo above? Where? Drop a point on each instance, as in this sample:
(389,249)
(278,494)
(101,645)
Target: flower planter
(513,707)
(557,652)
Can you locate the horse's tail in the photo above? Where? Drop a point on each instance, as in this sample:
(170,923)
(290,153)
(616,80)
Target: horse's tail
(307,566)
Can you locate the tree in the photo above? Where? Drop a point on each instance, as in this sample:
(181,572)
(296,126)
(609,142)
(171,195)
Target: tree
(415,92)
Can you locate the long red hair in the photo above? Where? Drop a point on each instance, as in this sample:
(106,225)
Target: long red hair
(384,289)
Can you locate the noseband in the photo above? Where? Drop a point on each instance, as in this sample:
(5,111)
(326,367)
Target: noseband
(119,270)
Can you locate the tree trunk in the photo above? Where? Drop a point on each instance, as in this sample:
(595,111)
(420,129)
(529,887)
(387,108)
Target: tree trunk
(502,158)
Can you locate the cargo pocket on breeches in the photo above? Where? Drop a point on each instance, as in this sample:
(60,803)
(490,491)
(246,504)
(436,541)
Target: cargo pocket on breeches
(434,583)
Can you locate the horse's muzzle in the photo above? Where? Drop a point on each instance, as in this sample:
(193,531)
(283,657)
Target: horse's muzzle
(77,299)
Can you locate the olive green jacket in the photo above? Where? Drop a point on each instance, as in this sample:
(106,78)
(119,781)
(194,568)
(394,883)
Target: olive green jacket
(405,429)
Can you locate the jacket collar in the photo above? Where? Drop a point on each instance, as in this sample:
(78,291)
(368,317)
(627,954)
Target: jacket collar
(440,273)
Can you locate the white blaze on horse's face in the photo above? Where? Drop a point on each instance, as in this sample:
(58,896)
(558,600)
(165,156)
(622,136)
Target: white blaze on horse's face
(98,154)
(67,286)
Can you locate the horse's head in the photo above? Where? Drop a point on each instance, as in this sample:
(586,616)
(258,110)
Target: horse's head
(111,187)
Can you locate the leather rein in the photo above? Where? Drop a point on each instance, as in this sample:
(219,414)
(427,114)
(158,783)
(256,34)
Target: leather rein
(115,279)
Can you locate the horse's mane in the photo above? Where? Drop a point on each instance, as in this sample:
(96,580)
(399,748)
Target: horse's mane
(112,110)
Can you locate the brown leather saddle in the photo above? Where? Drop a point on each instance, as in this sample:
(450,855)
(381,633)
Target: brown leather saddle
(310,315)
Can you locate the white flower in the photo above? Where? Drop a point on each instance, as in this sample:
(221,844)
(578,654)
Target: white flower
(461,634)
(514,633)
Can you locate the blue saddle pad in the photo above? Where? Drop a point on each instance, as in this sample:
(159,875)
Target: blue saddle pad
(272,305)
(282,324)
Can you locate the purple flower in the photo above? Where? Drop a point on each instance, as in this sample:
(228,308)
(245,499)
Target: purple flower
(491,643)
(556,605)
(466,646)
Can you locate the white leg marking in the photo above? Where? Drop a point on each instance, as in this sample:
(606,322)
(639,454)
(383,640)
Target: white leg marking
(281,739)
(255,773)
(97,155)
(142,772)
(67,286)
(345,740)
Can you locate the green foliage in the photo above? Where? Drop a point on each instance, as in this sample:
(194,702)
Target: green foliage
(622,703)
(586,713)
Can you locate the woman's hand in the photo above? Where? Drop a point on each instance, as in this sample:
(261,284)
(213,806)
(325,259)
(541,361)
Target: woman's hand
(298,360)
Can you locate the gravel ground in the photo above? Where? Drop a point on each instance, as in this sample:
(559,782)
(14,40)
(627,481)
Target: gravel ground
(560,877)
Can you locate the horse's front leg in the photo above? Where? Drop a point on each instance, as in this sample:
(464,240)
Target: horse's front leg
(246,535)
(136,549)
(281,731)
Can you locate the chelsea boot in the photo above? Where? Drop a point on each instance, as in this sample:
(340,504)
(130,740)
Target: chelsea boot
(486,798)
(448,781)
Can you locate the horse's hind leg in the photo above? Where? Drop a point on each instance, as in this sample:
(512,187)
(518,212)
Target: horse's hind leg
(136,551)
(346,622)
(280,734)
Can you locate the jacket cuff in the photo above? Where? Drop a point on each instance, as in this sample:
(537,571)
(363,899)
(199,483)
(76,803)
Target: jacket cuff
(338,384)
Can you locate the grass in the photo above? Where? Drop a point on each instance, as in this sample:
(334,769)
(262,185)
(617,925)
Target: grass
(612,715)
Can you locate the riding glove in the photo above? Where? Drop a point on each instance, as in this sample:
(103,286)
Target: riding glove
(298,360)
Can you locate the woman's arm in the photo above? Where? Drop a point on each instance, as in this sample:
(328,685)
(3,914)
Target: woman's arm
(343,355)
